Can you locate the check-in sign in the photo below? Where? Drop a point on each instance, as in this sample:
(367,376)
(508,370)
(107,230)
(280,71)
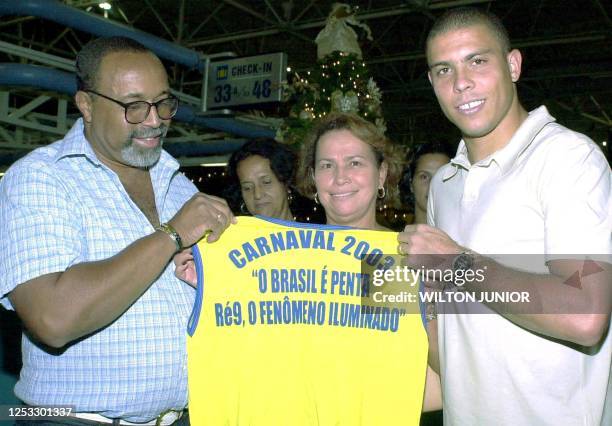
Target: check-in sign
(245,81)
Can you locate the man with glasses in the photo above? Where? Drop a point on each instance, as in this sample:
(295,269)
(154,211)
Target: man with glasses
(88,226)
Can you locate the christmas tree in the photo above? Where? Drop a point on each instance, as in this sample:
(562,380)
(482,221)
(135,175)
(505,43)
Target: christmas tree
(341,81)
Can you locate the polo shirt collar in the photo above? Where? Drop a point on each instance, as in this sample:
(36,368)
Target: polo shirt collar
(459,161)
(506,157)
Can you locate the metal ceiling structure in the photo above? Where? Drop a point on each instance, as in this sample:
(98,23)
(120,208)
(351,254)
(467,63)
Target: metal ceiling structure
(566,44)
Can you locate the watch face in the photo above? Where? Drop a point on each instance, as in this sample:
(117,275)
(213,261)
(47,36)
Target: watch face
(462,262)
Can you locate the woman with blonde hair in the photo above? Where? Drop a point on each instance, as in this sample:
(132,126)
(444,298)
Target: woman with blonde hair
(349,167)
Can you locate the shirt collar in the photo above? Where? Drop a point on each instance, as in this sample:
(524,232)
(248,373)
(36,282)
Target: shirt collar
(522,138)
(76,144)
(506,157)
(459,161)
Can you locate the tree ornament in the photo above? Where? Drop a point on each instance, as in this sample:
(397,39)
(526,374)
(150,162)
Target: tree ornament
(344,102)
(337,35)
(306,115)
(340,81)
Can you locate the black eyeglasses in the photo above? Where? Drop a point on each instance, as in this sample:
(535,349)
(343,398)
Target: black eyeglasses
(138,111)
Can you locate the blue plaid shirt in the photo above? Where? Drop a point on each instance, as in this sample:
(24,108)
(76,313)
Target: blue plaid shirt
(60,206)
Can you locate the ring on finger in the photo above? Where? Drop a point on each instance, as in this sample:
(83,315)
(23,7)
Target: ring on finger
(400,250)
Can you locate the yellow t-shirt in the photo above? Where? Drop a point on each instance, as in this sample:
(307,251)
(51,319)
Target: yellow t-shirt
(280,334)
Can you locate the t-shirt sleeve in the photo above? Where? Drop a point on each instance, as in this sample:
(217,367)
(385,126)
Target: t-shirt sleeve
(575,195)
(39,227)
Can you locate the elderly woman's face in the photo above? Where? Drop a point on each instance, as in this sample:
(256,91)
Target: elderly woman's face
(262,192)
(347,178)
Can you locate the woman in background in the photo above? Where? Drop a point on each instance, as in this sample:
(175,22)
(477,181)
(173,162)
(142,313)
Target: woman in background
(261,175)
(425,161)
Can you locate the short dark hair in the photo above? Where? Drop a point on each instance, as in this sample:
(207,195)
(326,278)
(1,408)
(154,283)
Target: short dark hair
(406,194)
(364,130)
(91,55)
(463,17)
(282,163)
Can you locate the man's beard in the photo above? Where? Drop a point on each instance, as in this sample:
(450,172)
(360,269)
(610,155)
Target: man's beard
(143,157)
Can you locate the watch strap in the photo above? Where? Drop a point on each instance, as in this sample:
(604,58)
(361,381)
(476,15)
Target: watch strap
(171,232)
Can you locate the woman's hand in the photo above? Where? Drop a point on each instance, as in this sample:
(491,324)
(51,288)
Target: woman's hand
(185,267)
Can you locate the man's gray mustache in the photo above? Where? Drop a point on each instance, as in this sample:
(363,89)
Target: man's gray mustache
(150,133)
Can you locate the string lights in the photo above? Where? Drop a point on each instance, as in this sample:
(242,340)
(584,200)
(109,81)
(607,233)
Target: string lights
(340,82)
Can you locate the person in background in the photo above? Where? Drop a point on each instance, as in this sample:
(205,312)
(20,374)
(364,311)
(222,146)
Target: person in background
(425,160)
(88,227)
(526,204)
(261,175)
